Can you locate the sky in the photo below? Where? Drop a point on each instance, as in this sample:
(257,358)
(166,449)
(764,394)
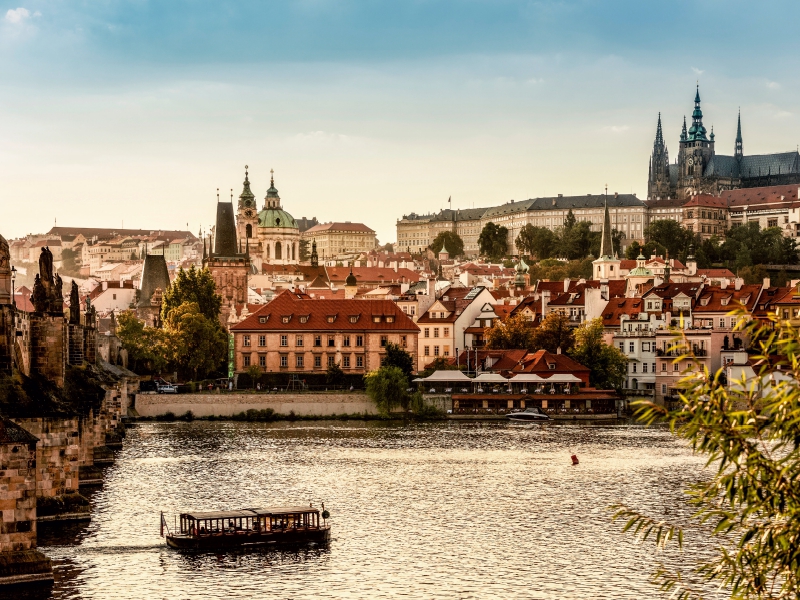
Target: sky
(134,113)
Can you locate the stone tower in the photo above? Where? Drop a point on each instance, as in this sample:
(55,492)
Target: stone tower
(228,264)
(658,183)
(247,213)
(696,150)
(155,281)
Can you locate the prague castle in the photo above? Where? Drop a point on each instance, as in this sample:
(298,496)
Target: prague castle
(700,170)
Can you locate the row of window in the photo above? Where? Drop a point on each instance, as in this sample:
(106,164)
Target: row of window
(426,350)
(299,361)
(426,332)
(299,340)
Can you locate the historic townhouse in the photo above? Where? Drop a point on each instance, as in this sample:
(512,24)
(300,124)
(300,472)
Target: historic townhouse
(443,326)
(706,215)
(298,334)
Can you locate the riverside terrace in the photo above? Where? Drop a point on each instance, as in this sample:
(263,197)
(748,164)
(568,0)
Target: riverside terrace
(492,394)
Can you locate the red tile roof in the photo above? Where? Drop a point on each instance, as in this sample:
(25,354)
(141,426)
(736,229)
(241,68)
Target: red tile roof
(715,299)
(339,226)
(372,275)
(617,307)
(707,201)
(714,273)
(774,194)
(308,314)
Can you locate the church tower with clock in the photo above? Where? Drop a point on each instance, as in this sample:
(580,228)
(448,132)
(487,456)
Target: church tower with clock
(695,153)
(247,216)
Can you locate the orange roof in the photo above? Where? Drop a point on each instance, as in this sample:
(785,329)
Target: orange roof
(374,275)
(617,307)
(707,201)
(774,194)
(339,226)
(292,311)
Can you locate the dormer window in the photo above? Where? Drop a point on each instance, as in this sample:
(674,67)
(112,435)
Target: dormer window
(551,366)
(331,318)
(286,318)
(390,319)
(376,318)
(304,319)
(354,318)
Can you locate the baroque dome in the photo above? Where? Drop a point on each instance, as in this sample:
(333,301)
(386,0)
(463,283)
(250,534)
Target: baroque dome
(276,218)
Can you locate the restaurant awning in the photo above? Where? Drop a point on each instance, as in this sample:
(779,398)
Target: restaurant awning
(444,376)
(562,378)
(490,378)
(527,378)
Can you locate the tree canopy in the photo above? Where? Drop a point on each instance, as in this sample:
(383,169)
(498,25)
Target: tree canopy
(554,332)
(513,333)
(398,357)
(387,387)
(194,285)
(453,242)
(197,345)
(493,241)
(749,432)
(537,241)
(607,366)
(146,346)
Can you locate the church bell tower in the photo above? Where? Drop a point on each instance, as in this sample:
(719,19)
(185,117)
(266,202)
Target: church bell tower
(247,214)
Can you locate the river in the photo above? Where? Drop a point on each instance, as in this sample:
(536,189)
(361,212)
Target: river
(442,510)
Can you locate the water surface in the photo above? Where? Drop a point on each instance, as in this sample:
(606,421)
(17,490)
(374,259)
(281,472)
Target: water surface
(423,511)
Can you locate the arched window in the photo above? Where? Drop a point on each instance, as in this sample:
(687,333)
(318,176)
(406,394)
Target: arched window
(267,251)
(248,231)
(278,251)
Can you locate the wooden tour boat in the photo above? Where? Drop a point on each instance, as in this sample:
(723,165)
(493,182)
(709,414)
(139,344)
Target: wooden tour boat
(290,526)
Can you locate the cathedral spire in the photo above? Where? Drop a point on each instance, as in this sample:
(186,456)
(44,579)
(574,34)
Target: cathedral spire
(697,132)
(606,244)
(738,151)
(684,135)
(659,133)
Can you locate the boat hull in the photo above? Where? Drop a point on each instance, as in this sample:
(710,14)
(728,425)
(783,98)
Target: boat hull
(521,418)
(270,539)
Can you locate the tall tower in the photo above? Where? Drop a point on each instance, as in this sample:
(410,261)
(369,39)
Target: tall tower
(658,185)
(696,150)
(738,151)
(606,266)
(247,213)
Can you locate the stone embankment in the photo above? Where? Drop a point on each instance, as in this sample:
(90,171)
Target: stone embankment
(45,459)
(227,404)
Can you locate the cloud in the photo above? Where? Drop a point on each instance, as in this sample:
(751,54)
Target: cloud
(18,15)
(773,85)
(697,71)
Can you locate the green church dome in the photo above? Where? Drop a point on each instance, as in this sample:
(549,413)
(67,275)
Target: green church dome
(276,217)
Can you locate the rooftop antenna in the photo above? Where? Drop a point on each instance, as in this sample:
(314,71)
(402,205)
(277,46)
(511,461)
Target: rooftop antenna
(231,194)
(217,194)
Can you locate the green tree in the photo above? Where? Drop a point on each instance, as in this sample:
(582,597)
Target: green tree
(493,241)
(575,242)
(146,346)
(753,274)
(554,332)
(388,389)
(254,371)
(538,241)
(197,344)
(440,363)
(633,250)
(749,432)
(671,236)
(513,333)
(453,242)
(398,357)
(607,365)
(194,285)
(305,249)
(69,263)
(334,375)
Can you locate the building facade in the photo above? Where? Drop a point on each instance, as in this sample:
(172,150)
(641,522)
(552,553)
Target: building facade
(335,239)
(298,334)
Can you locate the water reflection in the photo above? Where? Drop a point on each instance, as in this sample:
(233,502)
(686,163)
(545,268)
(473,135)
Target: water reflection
(452,510)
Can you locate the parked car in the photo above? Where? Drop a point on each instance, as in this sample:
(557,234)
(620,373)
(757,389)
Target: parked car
(167,389)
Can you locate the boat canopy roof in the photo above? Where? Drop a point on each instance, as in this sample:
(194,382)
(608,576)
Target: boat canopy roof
(250,512)
(527,377)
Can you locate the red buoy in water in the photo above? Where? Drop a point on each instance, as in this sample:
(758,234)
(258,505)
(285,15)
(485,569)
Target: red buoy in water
(574,459)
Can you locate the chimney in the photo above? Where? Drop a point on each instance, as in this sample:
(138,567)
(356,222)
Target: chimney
(737,283)
(105,285)
(566,285)
(723,283)
(432,287)
(545,301)
(766,282)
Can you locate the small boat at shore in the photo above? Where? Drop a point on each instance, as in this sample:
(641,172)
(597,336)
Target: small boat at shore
(282,527)
(529,414)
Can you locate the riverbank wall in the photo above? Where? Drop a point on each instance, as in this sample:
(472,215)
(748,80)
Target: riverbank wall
(227,404)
